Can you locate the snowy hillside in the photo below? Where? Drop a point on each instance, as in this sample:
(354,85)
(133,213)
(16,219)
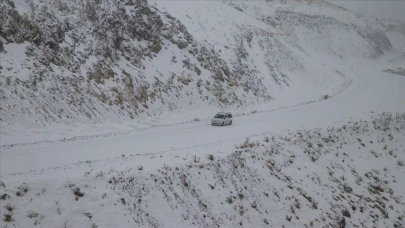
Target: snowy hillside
(133,64)
(342,175)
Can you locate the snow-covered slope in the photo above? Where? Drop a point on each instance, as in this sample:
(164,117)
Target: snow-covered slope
(133,63)
(349,173)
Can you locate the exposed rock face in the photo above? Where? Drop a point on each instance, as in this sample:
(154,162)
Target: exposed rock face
(104,59)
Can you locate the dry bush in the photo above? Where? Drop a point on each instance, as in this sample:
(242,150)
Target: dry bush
(314,205)
(9,207)
(374,153)
(8,217)
(212,186)
(4,196)
(100,174)
(229,200)
(32,214)
(400,163)
(346,213)
(196,159)
(210,157)
(24,188)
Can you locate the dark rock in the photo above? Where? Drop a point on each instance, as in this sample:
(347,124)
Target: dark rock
(218,76)
(1,46)
(15,15)
(197,70)
(77,192)
(156,47)
(182,45)
(342,223)
(348,188)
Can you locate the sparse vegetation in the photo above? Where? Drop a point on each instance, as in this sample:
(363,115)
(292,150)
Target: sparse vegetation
(24,188)
(8,217)
(4,196)
(100,174)
(32,214)
(346,213)
(374,153)
(196,159)
(229,199)
(248,175)
(9,207)
(314,205)
(400,163)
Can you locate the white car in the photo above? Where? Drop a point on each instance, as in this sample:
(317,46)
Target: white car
(222,118)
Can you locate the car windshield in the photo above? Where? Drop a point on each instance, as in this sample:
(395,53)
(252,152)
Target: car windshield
(219,116)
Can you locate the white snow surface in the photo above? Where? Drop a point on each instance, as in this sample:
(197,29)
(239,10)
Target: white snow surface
(307,159)
(297,52)
(152,178)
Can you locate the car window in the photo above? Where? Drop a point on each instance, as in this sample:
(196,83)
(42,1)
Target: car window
(229,115)
(219,116)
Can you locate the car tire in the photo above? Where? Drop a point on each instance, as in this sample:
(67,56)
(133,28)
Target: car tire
(222,124)
(230,123)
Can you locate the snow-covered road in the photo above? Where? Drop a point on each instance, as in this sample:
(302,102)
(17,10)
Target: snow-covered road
(370,90)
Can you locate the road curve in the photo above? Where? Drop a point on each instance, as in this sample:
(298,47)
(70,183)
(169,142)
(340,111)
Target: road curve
(371,90)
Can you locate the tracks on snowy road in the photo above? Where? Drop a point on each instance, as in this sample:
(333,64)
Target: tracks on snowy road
(370,90)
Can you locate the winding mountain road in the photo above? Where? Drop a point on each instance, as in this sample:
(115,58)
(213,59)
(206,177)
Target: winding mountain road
(370,90)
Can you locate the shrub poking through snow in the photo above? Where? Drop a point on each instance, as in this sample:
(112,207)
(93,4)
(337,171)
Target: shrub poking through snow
(24,188)
(346,213)
(196,159)
(32,214)
(5,196)
(400,163)
(8,217)
(9,207)
(100,174)
(229,199)
(210,157)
